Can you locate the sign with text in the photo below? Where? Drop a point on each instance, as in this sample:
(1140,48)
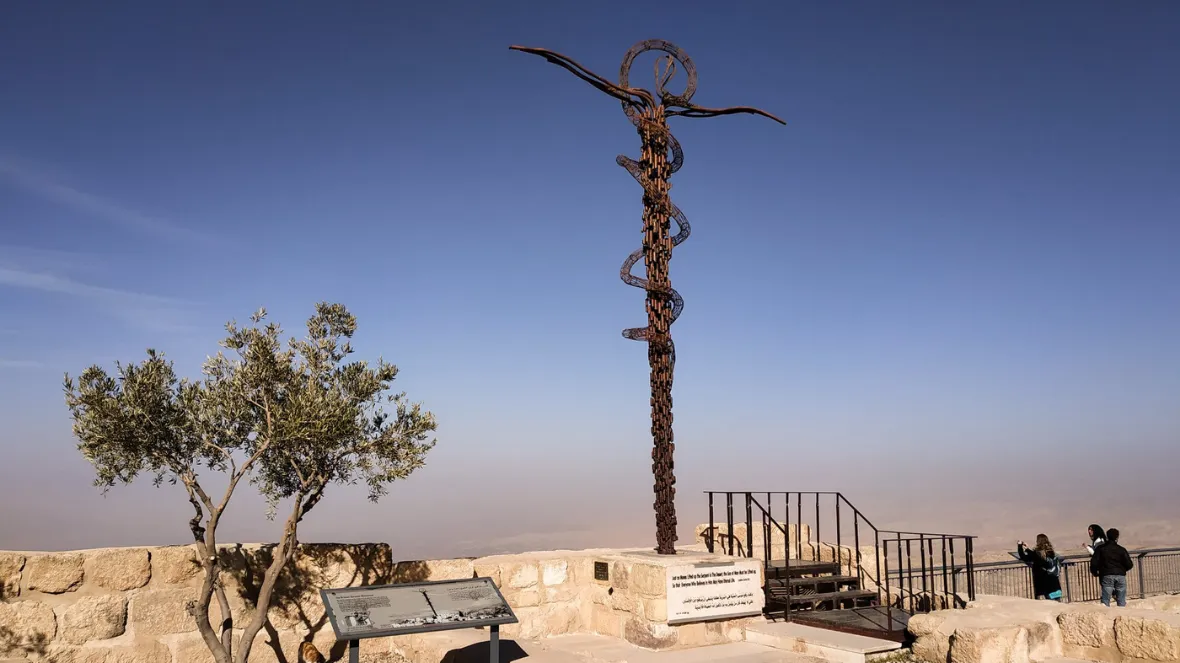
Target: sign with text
(727,590)
(420,607)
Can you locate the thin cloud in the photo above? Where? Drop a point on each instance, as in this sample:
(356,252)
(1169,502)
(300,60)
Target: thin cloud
(41,184)
(140,309)
(20,363)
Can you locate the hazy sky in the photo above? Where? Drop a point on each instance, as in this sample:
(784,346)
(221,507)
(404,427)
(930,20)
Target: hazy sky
(947,287)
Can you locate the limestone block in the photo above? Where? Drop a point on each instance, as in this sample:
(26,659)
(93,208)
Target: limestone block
(649,580)
(1003,644)
(554,572)
(932,648)
(561,593)
(141,652)
(643,633)
(522,598)
(54,573)
(547,621)
(605,621)
(520,575)
(119,569)
(11,565)
(690,635)
(450,569)
(174,565)
(1085,627)
(485,570)
(94,618)
(162,611)
(655,610)
(921,625)
(191,648)
(1044,640)
(620,576)
(28,627)
(1152,639)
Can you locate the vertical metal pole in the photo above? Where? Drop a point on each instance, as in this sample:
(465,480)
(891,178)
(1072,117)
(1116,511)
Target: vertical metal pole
(799,517)
(354,651)
(970,568)
(494,644)
(839,549)
(925,594)
(1142,579)
(856,542)
(883,579)
(749,525)
(818,541)
(946,586)
(954,576)
(712,532)
(770,528)
(909,557)
(1065,566)
(729,521)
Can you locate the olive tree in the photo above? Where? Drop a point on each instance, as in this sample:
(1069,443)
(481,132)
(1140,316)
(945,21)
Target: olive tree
(291,419)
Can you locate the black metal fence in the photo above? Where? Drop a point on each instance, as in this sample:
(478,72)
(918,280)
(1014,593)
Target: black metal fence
(1157,571)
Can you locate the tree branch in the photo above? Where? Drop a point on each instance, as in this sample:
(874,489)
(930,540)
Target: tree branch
(206,544)
(284,553)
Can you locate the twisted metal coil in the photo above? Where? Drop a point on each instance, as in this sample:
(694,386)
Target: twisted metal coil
(660,157)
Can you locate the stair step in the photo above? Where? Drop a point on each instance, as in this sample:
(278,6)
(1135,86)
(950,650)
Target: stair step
(796,568)
(813,580)
(781,594)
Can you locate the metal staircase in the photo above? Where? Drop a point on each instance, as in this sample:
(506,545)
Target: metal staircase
(857,578)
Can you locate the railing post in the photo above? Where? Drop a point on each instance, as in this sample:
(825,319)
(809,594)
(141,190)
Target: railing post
(946,587)
(883,554)
(970,568)
(799,523)
(818,539)
(729,521)
(711,532)
(749,525)
(922,552)
(954,575)
(1065,567)
(856,541)
(909,576)
(1142,577)
(839,549)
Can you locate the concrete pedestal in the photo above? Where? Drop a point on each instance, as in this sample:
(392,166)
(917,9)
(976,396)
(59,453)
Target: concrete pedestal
(677,601)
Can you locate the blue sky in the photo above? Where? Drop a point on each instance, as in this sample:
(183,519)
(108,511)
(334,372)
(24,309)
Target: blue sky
(961,249)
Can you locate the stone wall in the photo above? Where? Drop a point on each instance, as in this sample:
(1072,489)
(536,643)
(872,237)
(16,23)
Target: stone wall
(1012,630)
(127,605)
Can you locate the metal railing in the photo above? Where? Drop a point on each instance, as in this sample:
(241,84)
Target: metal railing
(910,571)
(1157,571)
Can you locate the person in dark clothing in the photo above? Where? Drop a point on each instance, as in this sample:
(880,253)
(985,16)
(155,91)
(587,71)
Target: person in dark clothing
(1111,562)
(1097,538)
(1046,568)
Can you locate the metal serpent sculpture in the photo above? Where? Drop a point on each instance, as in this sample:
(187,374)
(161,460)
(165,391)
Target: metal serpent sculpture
(649,113)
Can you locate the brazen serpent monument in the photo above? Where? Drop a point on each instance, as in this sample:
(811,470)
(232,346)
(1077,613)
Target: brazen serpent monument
(649,113)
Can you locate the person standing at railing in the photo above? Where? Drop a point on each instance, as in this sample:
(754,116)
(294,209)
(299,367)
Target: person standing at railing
(1046,568)
(1111,562)
(1097,538)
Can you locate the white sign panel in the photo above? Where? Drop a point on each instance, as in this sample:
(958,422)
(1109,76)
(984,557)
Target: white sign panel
(699,592)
